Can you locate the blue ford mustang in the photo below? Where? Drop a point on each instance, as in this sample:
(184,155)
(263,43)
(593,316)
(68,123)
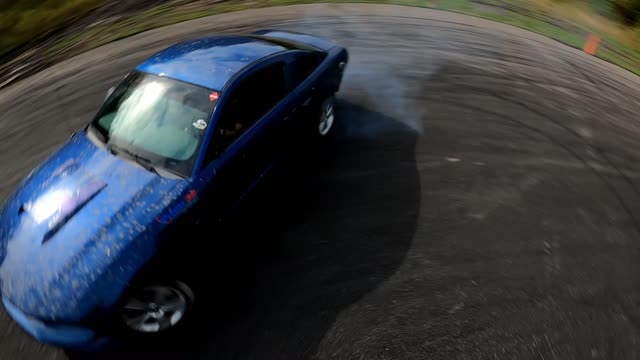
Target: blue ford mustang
(185,135)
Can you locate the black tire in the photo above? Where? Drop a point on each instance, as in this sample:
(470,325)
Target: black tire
(325,119)
(165,318)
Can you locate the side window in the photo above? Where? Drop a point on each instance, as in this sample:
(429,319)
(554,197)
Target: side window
(303,65)
(248,102)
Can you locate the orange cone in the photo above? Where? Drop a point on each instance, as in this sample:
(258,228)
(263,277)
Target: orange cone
(592,43)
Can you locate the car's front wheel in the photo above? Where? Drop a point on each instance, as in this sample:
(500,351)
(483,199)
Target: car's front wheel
(157,308)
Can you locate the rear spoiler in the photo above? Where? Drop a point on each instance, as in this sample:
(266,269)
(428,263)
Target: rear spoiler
(313,41)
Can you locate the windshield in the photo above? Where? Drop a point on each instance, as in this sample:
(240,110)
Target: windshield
(159,120)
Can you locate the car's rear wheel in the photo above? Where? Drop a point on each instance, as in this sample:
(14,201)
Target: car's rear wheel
(157,308)
(326,118)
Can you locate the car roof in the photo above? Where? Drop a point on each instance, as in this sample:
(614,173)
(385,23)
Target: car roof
(209,62)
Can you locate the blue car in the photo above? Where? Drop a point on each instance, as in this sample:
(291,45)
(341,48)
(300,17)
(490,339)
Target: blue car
(180,141)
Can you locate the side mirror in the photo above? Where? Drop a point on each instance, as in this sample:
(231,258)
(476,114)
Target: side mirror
(109,92)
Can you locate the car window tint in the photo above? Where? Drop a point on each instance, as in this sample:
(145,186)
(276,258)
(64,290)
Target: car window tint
(248,102)
(303,65)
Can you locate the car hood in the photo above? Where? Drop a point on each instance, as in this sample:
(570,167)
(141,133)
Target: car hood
(78,228)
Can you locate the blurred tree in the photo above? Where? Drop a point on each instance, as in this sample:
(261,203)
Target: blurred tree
(9,20)
(23,20)
(628,9)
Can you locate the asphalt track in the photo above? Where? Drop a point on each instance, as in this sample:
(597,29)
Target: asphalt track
(480,199)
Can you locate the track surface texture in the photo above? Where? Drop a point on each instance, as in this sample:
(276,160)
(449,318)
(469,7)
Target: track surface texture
(480,198)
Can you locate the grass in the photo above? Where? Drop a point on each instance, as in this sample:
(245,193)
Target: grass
(24,20)
(539,27)
(568,21)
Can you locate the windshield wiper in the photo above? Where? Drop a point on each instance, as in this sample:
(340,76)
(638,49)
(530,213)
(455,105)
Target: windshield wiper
(142,161)
(102,136)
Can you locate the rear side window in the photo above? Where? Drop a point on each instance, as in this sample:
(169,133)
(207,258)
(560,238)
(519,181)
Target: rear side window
(248,102)
(303,65)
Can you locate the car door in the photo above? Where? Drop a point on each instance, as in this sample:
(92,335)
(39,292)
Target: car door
(305,94)
(242,147)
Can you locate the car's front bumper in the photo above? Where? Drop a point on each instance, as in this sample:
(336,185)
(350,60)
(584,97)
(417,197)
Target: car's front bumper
(63,335)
